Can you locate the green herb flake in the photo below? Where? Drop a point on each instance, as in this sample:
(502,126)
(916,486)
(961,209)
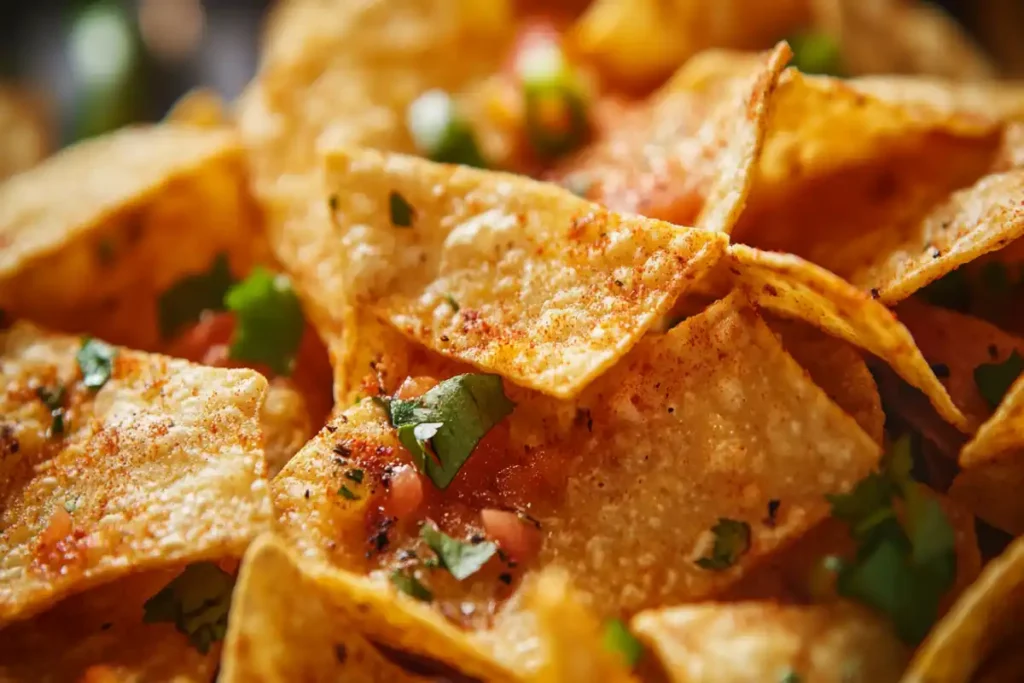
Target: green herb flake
(401,211)
(995,379)
(732,540)
(790,676)
(346,492)
(902,569)
(617,638)
(556,112)
(183,303)
(411,586)
(441,428)
(440,133)
(816,53)
(452,302)
(96,361)
(355,475)
(462,560)
(269,321)
(196,602)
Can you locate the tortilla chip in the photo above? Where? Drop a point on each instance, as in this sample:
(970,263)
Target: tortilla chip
(792,287)
(100,635)
(352,69)
(621,540)
(511,275)
(285,422)
(767,642)
(1003,100)
(836,367)
(992,491)
(168,200)
(162,465)
(25,135)
(642,41)
(975,627)
(202,107)
(688,154)
(295,634)
(1002,436)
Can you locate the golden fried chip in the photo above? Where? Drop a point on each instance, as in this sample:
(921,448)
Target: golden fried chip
(25,135)
(688,154)
(101,635)
(736,643)
(508,274)
(283,627)
(761,431)
(1002,100)
(836,367)
(987,612)
(161,465)
(202,107)
(168,199)
(286,424)
(795,288)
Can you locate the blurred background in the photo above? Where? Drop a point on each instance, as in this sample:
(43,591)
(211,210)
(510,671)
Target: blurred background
(98,64)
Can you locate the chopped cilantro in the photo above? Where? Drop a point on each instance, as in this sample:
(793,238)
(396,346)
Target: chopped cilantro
(411,586)
(196,602)
(96,361)
(355,475)
(401,210)
(53,399)
(732,540)
(270,323)
(440,132)
(182,304)
(789,676)
(555,107)
(460,559)
(901,569)
(442,427)
(995,379)
(346,492)
(816,53)
(452,302)
(617,638)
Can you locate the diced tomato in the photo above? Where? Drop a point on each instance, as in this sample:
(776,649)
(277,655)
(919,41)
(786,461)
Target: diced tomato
(406,494)
(519,538)
(208,338)
(413,387)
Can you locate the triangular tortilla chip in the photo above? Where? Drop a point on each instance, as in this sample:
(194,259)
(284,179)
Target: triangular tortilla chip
(283,628)
(161,465)
(977,624)
(1003,100)
(795,288)
(166,200)
(511,275)
(101,635)
(688,154)
(714,411)
(767,642)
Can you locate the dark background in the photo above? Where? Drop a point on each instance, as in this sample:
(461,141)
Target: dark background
(102,63)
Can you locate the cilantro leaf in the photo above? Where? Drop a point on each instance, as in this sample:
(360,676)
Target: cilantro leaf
(53,399)
(270,322)
(411,586)
(555,111)
(789,676)
(442,427)
(995,379)
(184,301)
(401,210)
(617,638)
(816,53)
(462,560)
(440,132)
(96,361)
(732,540)
(196,602)
(346,493)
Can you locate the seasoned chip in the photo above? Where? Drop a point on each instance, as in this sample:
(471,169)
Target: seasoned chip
(761,431)
(792,287)
(200,107)
(101,635)
(688,154)
(25,135)
(508,274)
(286,424)
(283,627)
(987,612)
(754,641)
(168,199)
(1003,100)
(118,463)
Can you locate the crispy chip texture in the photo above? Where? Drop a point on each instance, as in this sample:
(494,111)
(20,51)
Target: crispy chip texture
(202,107)
(161,465)
(25,137)
(983,616)
(510,275)
(622,541)
(735,643)
(795,288)
(284,628)
(100,635)
(169,199)
(1004,100)
(688,154)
